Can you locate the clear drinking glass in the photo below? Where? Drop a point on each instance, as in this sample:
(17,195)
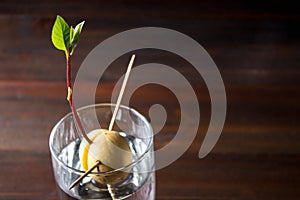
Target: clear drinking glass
(64,144)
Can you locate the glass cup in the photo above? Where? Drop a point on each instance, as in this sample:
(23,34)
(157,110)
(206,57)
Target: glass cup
(64,142)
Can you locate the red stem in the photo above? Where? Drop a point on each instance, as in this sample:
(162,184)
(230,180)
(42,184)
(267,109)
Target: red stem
(70,99)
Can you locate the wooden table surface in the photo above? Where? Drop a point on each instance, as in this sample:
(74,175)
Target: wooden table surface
(255,46)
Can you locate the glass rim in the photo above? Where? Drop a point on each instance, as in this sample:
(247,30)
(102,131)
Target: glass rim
(124,168)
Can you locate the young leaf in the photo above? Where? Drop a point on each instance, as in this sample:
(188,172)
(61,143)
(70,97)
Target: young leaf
(78,29)
(61,34)
(71,35)
(76,34)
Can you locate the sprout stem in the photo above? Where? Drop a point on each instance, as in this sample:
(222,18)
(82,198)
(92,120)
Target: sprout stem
(70,100)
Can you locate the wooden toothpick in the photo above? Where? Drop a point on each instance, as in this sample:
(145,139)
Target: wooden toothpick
(111,124)
(84,175)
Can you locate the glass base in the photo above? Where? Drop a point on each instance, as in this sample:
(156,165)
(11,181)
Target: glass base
(147,191)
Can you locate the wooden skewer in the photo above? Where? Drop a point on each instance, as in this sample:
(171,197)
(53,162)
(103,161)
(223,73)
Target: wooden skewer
(84,175)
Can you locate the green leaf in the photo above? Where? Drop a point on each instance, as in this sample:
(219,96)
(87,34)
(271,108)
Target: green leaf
(71,34)
(61,34)
(76,34)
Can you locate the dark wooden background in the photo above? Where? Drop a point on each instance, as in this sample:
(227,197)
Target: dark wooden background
(255,45)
